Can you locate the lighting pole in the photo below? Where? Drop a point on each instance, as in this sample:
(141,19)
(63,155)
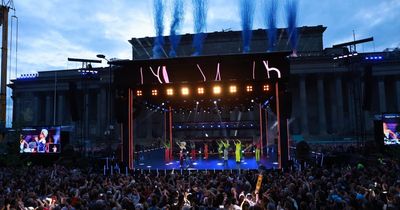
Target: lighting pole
(110,127)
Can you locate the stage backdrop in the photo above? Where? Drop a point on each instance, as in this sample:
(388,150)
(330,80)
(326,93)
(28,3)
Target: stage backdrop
(241,67)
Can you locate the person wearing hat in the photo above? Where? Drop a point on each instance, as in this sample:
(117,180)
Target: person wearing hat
(42,140)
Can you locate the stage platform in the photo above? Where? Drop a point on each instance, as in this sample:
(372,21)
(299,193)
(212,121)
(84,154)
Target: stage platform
(154,160)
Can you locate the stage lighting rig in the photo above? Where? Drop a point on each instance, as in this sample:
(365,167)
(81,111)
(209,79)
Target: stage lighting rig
(249,88)
(200,90)
(217,90)
(185,91)
(233,89)
(170,91)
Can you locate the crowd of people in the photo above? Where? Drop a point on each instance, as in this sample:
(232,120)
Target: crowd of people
(361,186)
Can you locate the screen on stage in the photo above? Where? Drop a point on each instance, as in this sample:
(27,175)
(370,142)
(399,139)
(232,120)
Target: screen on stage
(391,129)
(40,140)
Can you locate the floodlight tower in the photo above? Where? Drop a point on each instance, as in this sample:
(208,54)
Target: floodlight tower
(4,10)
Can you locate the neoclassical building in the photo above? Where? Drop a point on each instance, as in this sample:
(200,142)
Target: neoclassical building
(336,94)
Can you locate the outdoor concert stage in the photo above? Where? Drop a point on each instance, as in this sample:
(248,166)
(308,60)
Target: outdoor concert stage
(221,96)
(154,160)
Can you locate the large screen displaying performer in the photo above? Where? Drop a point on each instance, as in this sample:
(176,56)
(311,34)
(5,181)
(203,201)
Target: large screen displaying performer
(391,129)
(40,140)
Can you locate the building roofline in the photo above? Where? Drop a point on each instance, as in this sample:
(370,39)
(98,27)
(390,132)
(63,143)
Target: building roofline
(188,36)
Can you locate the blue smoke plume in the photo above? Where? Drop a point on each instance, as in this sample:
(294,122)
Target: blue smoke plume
(159,27)
(291,10)
(247,14)
(177,18)
(199,17)
(270,22)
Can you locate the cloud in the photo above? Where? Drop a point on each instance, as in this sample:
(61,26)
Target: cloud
(52,30)
(51,50)
(377,14)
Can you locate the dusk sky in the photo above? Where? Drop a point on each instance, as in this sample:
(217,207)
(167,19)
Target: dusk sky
(51,31)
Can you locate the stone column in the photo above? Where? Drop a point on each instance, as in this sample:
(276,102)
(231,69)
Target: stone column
(60,108)
(101,111)
(382,95)
(339,103)
(49,110)
(351,100)
(321,106)
(398,93)
(37,112)
(303,105)
(16,109)
(86,115)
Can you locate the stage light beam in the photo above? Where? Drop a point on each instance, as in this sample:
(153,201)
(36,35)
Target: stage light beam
(217,90)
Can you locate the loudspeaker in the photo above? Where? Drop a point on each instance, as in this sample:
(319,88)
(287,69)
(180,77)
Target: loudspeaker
(121,106)
(73,103)
(286,104)
(65,138)
(368,86)
(378,134)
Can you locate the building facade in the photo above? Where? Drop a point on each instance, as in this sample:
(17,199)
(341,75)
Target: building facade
(332,98)
(79,100)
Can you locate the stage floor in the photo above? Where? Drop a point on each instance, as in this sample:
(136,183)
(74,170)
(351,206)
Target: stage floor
(154,160)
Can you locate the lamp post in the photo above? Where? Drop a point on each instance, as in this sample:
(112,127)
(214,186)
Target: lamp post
(110,126)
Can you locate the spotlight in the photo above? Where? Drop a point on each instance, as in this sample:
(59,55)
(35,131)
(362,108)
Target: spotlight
(232,89)
(215,102)
(197,103)
(266,88)
(139,93)
(249,88)
(200,90)
(217,89)
(185,91)
(162,104)
(154,92)
(252,100)
(170,91)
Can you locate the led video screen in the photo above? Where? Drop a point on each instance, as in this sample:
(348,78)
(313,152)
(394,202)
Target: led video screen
(391,129)
(40,140)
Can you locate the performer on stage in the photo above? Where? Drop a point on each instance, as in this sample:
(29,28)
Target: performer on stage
(205,151)
(238,147)
(226,148)
(193,150)
(167,152)
(220,148)
(182,146)
(258,151)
